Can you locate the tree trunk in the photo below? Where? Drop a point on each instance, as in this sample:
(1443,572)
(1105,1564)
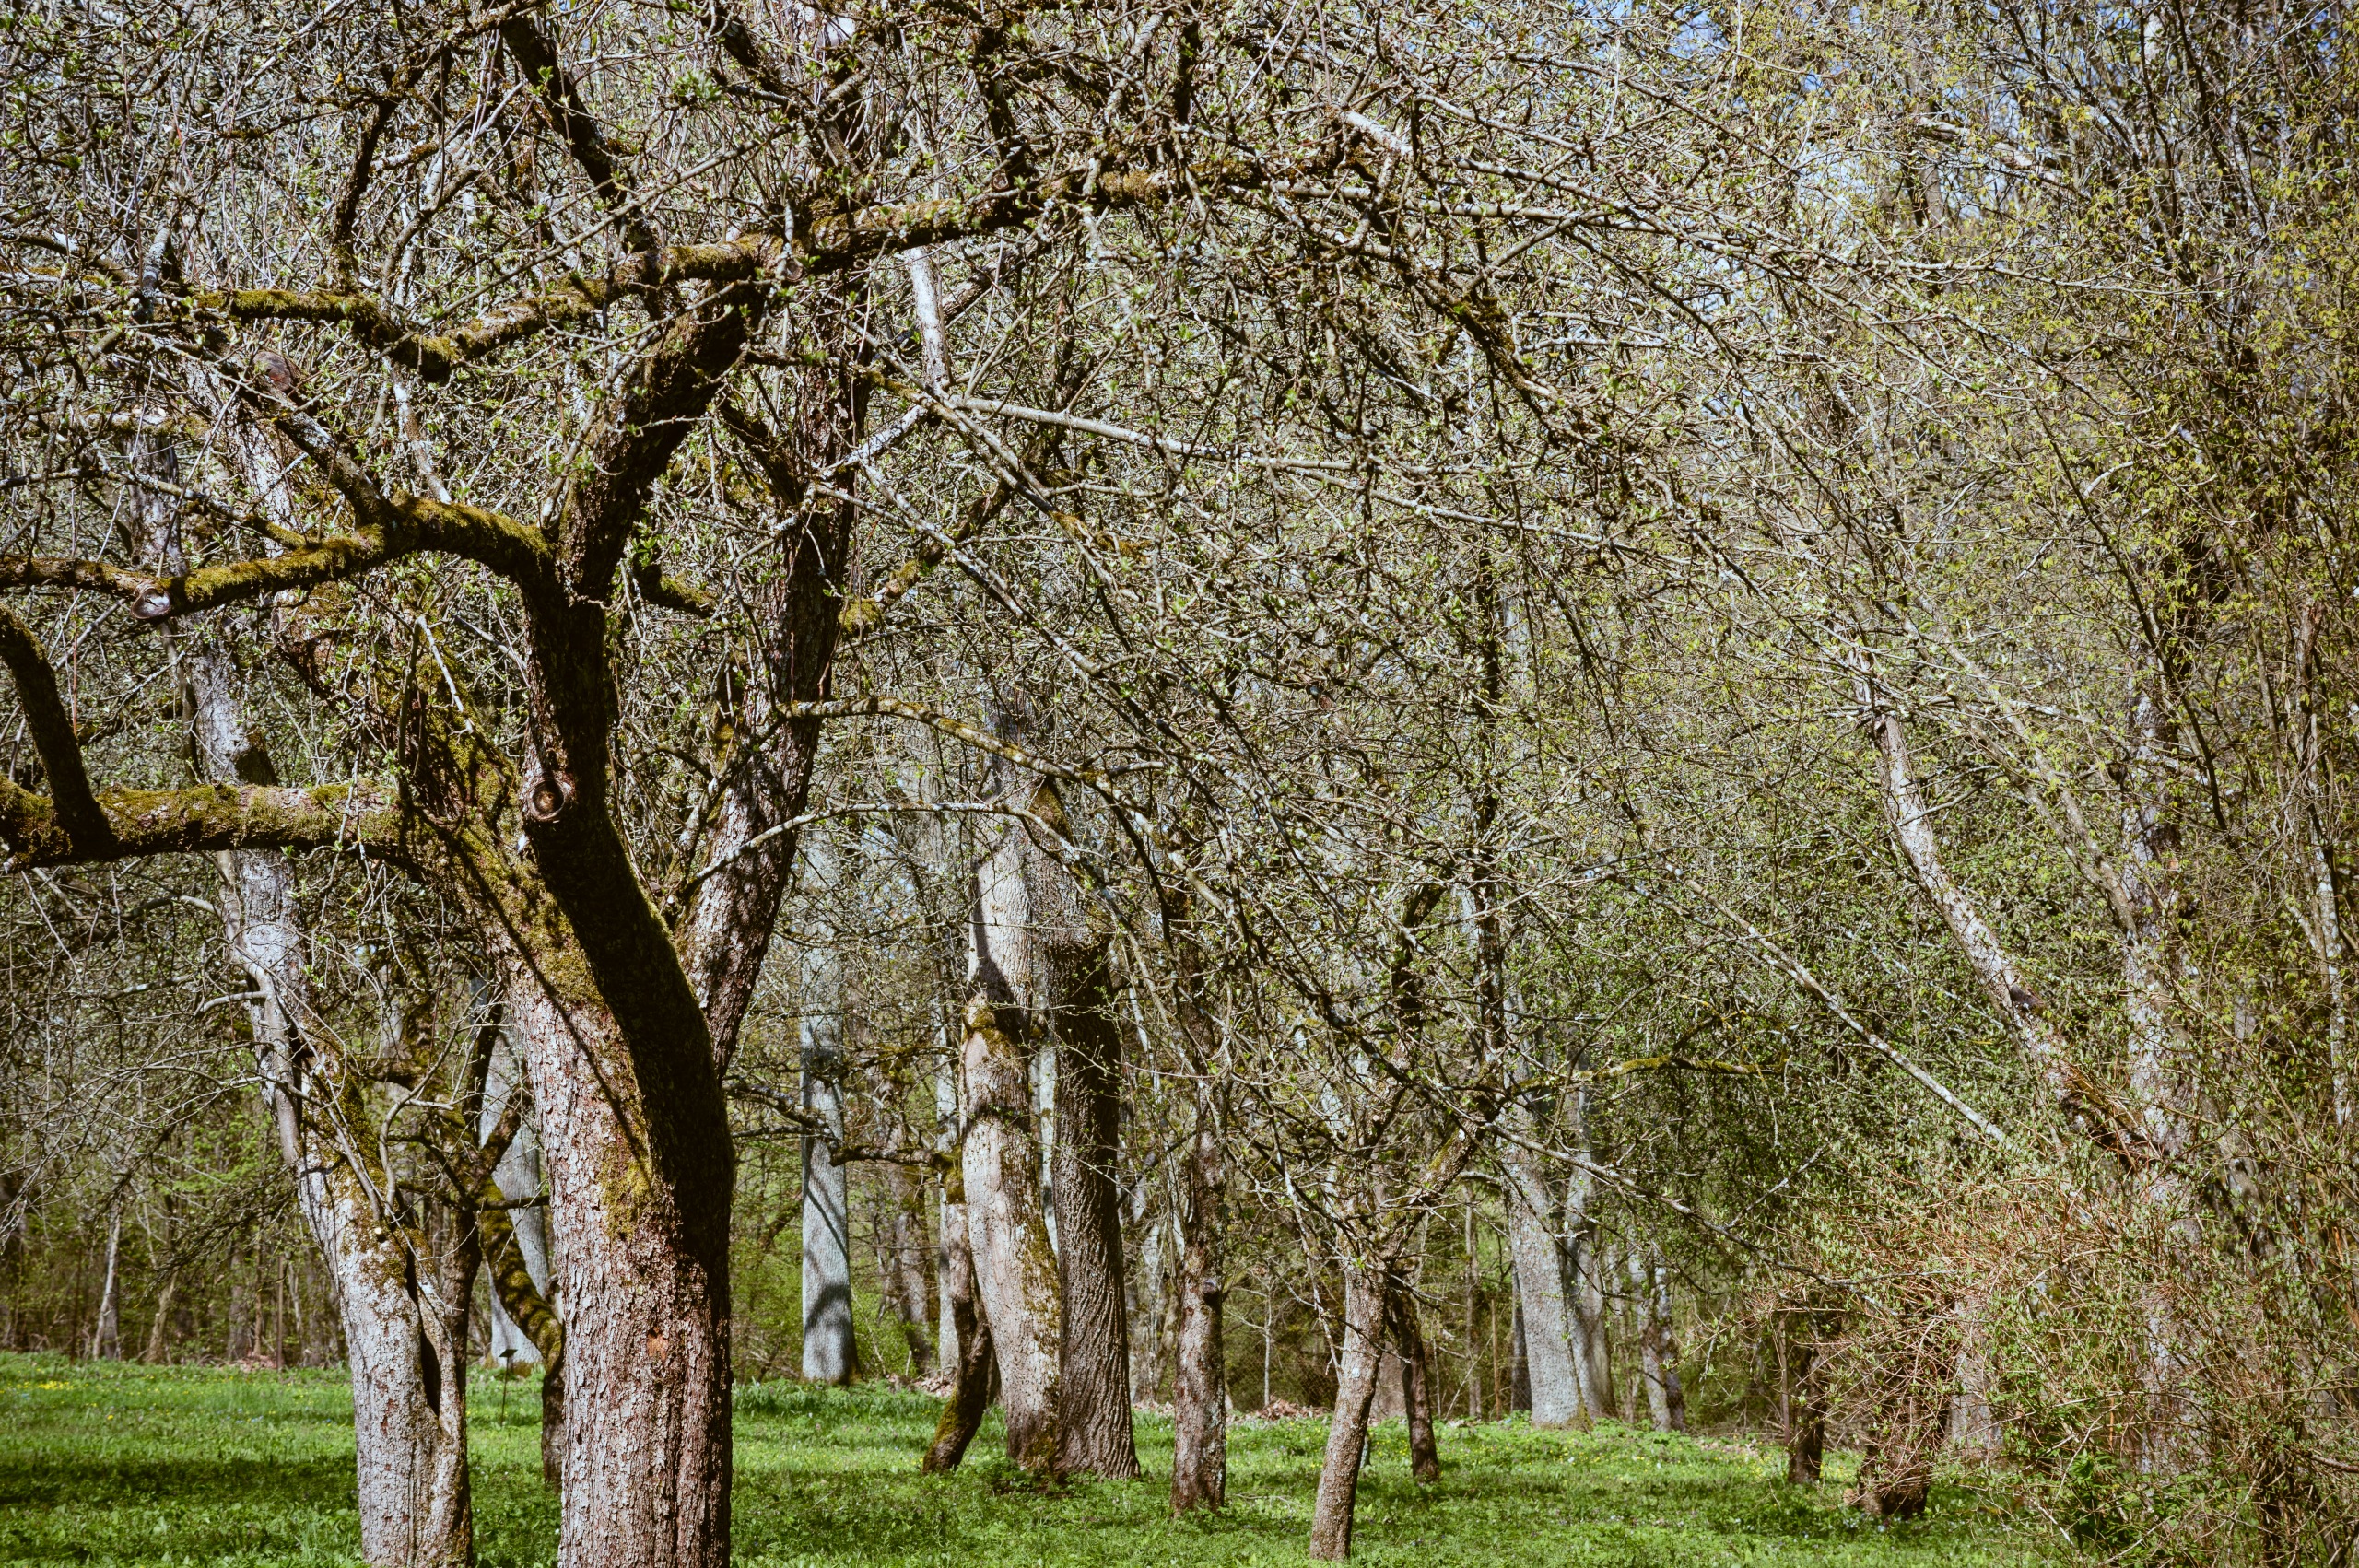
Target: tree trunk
(831,1348)
(106,1340)
(405,1470)
(1365,1289)
(641,1215)
(1016,1269)
(971,1395)
(1586,1279)
(975,1375)
(1094,1350)
(1199,1379)
(1801,1397)
(1417,1386)
(1658,1345)
(1552,1350)
(907,1288)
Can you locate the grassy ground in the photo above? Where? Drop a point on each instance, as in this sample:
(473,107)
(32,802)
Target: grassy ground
(123,1465)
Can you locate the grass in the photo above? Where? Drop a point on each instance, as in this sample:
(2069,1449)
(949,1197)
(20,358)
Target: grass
(112,1464)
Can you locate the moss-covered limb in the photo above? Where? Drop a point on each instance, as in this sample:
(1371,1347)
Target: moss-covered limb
(205,819)
(436,356)
(73,809)
(518,1295)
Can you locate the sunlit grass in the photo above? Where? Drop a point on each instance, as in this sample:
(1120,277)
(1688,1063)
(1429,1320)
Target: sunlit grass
(107,1464)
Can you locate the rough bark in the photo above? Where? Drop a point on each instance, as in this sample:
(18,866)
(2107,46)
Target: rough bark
(1364,1290)
(1200,1381)
(1093,1434)
(641,1201)
(1016,1269)
(1007,1233)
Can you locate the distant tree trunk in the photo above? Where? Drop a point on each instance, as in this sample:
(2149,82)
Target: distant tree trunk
(830,1349)
(160,1331)
(1657,1344)
(1802,1398)
(1417,1386)
(1094,1352)
(1552,1339)
(903,1260)
(1200,1378)
(106,1340)
(1520,1363)
(1015,1268)
(1585,1277)
(1365,1290)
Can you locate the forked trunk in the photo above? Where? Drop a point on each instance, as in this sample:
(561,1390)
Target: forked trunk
(1364,1288)
(1094,1352)
(1417,1386)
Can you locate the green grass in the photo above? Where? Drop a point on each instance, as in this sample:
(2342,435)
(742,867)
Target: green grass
(109,1463)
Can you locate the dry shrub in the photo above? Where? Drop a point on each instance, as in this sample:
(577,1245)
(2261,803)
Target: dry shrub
(2166,1389)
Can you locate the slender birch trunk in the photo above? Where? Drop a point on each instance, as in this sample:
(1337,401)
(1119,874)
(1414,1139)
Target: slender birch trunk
(106,1338)
(831,1348)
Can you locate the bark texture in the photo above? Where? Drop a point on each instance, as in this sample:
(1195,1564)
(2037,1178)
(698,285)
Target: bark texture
(1553,1343)
(1366,1287)
(1093,1360)
(1016,1269)
(1200,1390)
(902,1261)
(641,1229)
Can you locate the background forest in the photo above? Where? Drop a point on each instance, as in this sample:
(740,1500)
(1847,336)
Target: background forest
(1624,711)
